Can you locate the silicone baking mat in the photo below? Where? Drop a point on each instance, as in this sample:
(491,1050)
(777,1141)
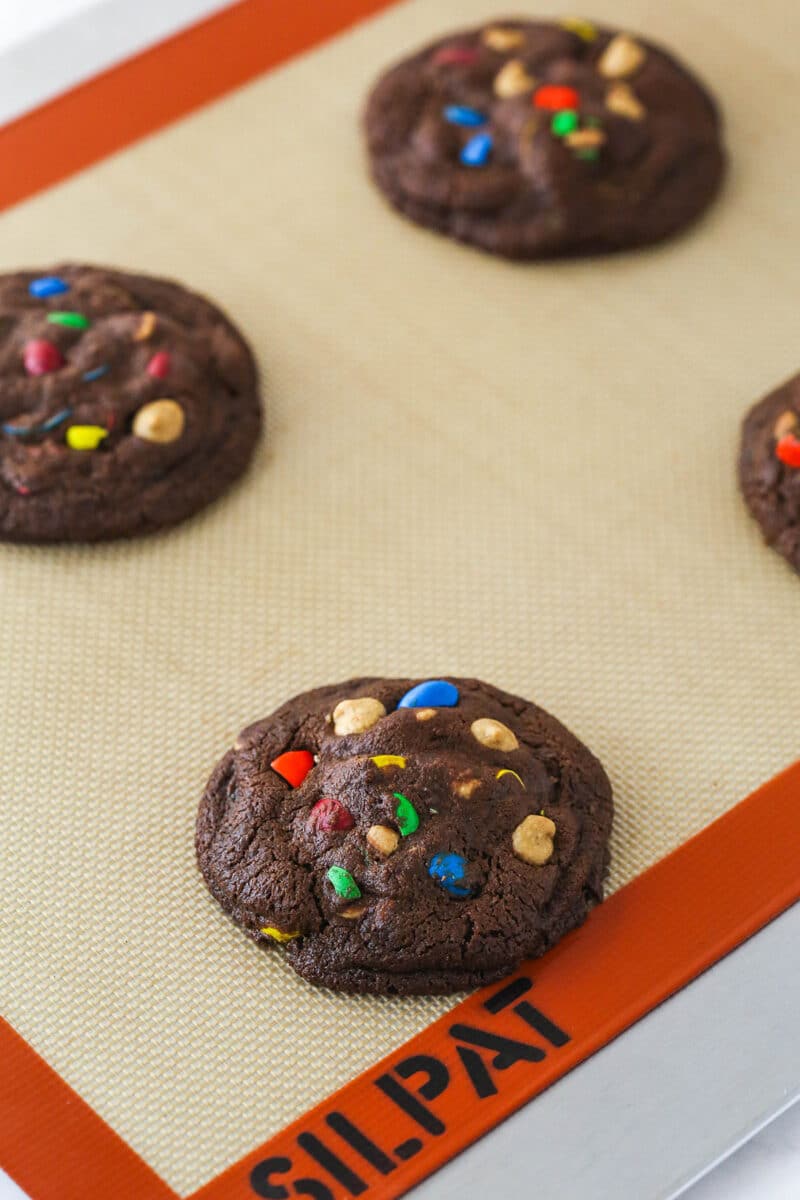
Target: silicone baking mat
(524,473)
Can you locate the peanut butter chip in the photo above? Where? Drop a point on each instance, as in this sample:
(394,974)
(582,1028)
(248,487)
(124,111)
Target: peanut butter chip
(787,422)
(352,912)
(494,734)
(622,100)
(466,787)
(621,57)
(356,716)
(383,839)
(159,421)
(513,80)
(501,38)
(533,840)
(425,714)
(585,139)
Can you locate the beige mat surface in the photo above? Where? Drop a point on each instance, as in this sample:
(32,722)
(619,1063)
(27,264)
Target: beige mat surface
(522,473)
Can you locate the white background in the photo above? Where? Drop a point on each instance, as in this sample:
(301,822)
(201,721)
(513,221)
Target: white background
(34,66)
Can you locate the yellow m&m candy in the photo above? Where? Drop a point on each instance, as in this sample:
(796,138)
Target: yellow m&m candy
(85,437)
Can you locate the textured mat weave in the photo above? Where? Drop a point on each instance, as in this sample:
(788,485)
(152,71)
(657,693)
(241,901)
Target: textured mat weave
(522,473)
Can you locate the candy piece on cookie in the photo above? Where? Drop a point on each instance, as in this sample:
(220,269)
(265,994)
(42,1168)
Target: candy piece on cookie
(788,450)
(343,883)
(513,79)
(585,30)
(85,437)
(405,815)
(159,421)
(622,100)
(556,98)
(279,935)
(533,840)
(41,357)
(47,285)
(293,766)
(356,716)
(69,320)
(622,57)
(146,327)
(494,734)
(460,114)
(433,693)
(383,839)
(330,816)
(449,870)
(502,38)
(159,365)
(455,56)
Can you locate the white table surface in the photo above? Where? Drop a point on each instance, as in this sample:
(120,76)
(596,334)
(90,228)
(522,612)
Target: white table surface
(34,68)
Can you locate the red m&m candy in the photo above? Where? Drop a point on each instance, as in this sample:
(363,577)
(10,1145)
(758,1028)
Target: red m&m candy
(41,357)
(159,365)
(788,450)
(554,97)
(330,815)
(463,56)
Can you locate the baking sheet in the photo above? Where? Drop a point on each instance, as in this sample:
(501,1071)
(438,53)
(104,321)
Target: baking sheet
(524,473)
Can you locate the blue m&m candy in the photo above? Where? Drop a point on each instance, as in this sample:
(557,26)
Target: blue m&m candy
(48,285)
(459,114)
(433,693)
(477,150)
(449,870)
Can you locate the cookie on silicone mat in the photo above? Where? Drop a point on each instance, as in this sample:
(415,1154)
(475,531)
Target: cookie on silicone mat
(405,836)
(769,468)
(533,139)
(127,403)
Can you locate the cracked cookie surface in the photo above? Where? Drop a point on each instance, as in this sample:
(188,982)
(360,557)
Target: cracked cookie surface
(126,404)
(769,468)
(401,836)
(533,139)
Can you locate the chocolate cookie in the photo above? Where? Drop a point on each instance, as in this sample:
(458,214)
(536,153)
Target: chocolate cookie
(532,139)
(399,836)
(769,468)
(126,404)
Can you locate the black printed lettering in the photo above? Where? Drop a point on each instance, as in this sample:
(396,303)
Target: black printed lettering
(313,1188)
(410,1104)
(331,1163)
(359,1142)
(507,1050)
(408,1149)
(438,1075)
(478,1074)
(507,995)
(261,1178)
(542,1024)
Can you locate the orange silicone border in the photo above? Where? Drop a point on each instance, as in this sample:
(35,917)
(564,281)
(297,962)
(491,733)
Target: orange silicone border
(703,900)
(647,941)
(165,82)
